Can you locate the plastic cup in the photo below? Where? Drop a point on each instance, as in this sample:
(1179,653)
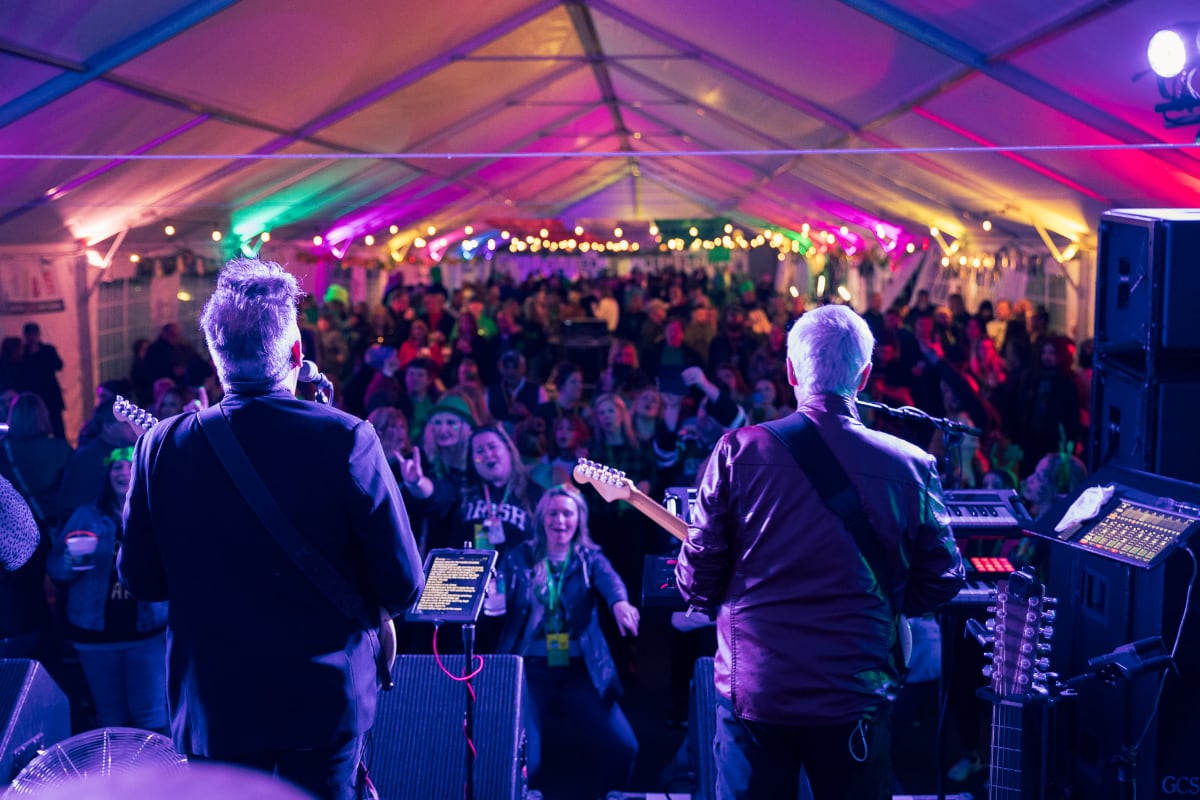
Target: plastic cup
(81,548)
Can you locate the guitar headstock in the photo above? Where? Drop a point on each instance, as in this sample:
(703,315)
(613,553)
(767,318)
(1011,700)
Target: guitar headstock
(610,483)
(134,415)
(1020,647)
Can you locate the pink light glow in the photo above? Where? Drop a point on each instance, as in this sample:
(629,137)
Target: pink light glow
(1025,162)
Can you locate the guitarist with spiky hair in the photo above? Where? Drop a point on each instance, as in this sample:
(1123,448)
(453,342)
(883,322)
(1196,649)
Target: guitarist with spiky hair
(265,668)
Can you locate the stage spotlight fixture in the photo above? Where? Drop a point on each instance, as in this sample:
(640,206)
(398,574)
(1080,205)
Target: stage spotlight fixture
(1174,56)
(1173,49)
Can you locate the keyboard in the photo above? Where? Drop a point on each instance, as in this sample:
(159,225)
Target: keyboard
(973,509)
(975,593)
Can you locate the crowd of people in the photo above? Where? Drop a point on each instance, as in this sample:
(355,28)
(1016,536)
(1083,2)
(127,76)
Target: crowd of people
(480,408)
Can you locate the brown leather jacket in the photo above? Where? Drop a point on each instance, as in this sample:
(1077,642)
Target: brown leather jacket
(804,634)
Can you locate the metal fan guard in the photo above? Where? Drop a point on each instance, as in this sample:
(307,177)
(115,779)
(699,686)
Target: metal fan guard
(93,755)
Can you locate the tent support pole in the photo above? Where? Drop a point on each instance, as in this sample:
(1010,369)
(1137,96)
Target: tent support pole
(83,317)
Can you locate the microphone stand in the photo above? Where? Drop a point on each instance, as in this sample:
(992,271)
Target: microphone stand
(953,431)
(468,637)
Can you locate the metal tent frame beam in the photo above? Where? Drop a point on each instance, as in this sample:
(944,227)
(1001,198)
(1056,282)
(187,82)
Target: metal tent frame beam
(111,58)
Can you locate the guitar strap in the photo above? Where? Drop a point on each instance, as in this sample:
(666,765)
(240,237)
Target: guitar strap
(800,436)
(314,566)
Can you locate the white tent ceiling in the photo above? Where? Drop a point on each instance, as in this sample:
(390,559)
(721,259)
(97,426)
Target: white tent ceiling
(307,116)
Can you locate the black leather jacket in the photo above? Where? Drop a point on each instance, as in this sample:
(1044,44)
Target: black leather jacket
(805,637)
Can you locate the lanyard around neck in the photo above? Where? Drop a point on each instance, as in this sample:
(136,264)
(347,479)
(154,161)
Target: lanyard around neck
(487,496)
(554,585)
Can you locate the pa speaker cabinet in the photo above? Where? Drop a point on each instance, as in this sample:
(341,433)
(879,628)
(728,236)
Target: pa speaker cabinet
(702,727)
(1104,604)
(418,747)
(1147,421)
(1147,279)
(34,714)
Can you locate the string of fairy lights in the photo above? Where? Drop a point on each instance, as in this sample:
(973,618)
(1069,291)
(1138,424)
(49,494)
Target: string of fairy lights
(717,237)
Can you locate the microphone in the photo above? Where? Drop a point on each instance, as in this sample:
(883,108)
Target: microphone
(309,373)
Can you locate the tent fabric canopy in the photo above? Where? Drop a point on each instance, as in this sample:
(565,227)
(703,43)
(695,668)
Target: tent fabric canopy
(593,90)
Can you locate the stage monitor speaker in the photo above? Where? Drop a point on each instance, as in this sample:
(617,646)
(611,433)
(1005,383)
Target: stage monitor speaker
(418,748)
(1147,279)
(1146,424)
(34,714)
(1103,604)
(702,727)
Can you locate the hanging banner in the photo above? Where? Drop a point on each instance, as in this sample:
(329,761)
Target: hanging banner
(29,286)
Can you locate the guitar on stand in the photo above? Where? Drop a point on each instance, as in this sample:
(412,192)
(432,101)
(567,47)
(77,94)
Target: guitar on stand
(1018,633)
(143,420)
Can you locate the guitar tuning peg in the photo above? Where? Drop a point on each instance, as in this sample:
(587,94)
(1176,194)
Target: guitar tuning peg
(1049,601)
(1043,647)
(1049,616)
(1047,632)
(990,624)
(988,670)
(1042,663)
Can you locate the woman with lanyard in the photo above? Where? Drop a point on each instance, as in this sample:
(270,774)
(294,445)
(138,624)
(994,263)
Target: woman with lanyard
(553,584)
(121,641)
(490,506)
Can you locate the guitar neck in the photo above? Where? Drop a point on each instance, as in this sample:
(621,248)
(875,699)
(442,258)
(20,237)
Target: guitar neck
(1004,772)
(658,515)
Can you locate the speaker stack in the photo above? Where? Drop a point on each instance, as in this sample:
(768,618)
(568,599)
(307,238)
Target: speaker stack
(1146,385)
(1146,393)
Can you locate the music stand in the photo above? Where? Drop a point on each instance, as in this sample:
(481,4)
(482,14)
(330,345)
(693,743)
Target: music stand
(455,585)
